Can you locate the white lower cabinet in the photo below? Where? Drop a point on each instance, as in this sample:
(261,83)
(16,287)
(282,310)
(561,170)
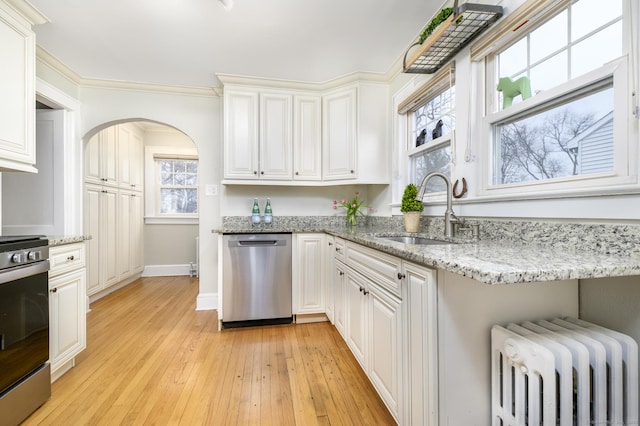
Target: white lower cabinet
(328,273)
(388,318)
(422,345)
(308,277)
(67,306)
(357,318)
(339,299)
(386,349)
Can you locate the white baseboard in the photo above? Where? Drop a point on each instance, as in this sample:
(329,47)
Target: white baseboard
(207,302)
(166,270)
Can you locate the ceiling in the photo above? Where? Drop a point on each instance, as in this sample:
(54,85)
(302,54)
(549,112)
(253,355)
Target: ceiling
(188,42)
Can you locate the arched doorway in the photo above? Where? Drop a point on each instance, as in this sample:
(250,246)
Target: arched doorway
(140,186)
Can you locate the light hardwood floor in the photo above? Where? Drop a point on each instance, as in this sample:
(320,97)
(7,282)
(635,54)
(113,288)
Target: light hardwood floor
(151,358)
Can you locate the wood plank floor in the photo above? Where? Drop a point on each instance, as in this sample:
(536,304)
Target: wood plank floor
(151,358)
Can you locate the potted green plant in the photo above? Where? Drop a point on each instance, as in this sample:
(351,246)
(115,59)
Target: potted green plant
(411,208)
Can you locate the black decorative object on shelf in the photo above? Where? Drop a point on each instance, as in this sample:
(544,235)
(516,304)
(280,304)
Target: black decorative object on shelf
(465,23)
(437,131)
(421,138)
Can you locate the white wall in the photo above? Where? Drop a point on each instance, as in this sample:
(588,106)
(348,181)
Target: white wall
(237,200)
(198,117)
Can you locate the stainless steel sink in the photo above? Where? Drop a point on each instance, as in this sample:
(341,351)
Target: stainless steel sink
(416,240)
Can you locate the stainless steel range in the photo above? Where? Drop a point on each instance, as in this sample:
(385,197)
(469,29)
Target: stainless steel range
(25,378)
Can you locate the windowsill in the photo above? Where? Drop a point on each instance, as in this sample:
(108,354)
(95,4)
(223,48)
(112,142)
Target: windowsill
(171,220)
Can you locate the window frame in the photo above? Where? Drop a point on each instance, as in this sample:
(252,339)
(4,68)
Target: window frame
(440,82)
(625,171)
(157,159)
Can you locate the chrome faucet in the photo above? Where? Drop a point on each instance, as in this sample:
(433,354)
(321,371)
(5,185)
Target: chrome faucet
(449,217)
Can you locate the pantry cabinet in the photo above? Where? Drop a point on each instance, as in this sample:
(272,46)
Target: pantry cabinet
(100,222)
(113,212)
(100,165)
(308,275)
(67,306)
(130,158)
(17,89)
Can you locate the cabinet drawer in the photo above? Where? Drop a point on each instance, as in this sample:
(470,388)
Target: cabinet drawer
(66,258)
(340,250)
(380,267)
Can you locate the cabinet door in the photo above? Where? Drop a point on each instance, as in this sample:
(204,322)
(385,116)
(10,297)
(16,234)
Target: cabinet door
(136,162)
(309,273)
(100,165)
(108,236)
(339,295)
(357,317)
(17,102)
(276,154)
(307,138)
(422,329)
(67,317)
(328,281)
(123,160)
(135,234)
(240,135)
(124,234)
(385,360)
(339,135)
(92,228)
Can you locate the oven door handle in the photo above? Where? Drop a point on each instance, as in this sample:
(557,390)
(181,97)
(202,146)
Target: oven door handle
(24,272)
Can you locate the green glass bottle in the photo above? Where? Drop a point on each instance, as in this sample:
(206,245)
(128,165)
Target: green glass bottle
(255,212)
(268,213)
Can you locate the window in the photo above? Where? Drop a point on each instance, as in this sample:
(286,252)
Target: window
(171,183)
(178,188)
(431,115)
(557,97)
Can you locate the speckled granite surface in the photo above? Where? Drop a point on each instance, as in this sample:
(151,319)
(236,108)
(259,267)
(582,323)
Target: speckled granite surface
(508,252)
(59,241)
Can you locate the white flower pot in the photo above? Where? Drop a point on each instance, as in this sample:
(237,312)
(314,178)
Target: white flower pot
(412,221)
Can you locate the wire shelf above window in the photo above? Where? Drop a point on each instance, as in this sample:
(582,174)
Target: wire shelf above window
(462,26)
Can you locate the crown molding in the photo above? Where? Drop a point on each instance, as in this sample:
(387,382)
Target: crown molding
(57,65)
(30,13)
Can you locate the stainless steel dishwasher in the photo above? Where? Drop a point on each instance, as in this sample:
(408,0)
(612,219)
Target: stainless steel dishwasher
(256,282)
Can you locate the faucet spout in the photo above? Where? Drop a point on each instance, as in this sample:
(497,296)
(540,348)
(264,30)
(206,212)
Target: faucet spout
(449,216)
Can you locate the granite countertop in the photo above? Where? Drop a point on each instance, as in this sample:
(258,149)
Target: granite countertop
(57,240)
(488,261)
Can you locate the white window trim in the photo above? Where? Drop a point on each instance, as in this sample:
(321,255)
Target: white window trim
(152,215)
(624,177)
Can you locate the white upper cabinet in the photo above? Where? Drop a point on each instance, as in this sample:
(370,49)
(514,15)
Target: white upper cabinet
(17,90)
(240,134)
(257,135)
(339,116)
(307,137)
(275,154)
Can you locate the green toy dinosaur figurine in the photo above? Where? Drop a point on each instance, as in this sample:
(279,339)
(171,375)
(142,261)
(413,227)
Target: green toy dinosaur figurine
(510,89)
